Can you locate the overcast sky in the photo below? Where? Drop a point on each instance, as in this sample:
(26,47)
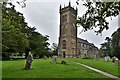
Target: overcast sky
(44,15)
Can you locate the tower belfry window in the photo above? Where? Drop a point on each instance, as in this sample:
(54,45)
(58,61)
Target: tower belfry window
(64,18)
(64,44)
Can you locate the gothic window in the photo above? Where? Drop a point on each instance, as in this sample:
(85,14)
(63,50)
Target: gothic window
(64,44)
(81,45)
(64,18)
(84,45)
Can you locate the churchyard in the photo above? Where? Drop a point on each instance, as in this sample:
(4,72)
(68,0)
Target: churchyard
(22,42)
(45,68)
(100,64)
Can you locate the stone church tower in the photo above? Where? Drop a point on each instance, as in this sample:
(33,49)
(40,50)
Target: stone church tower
(68,32)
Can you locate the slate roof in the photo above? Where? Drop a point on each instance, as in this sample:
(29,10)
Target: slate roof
(80,40)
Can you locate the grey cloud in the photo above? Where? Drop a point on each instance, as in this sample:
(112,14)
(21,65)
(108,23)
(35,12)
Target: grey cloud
(45,16)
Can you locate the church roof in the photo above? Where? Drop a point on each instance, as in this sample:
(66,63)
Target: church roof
(80,40)
(83,41)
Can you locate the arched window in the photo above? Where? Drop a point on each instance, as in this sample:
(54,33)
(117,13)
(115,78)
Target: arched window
(64,18)
(64,44)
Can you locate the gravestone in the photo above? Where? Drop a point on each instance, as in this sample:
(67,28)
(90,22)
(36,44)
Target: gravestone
(106,58)
(29,60)
(97,56)
(54,58)
(94,57)
(115,60)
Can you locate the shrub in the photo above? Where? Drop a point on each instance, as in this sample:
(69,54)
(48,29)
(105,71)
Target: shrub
(63,62)
(5,56)
(86,57)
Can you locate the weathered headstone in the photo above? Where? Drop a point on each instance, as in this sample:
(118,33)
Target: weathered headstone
(106,58)
(94,57)
(97,56)
(29,60)
(115,60)
(54,59)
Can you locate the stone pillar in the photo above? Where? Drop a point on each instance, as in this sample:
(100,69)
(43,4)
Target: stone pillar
(29,60)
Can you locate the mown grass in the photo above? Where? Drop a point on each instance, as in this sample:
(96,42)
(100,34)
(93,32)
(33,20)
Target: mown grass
(100,64)
(45,69)
(0,69)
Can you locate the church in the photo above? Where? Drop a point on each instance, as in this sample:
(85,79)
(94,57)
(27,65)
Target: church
(69,44)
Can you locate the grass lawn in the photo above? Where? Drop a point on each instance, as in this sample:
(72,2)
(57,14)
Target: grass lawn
(45,69)
(0,69)
(100,64)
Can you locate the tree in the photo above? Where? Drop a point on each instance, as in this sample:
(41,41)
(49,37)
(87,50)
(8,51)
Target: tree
(96,14)
(0,31)
(55,49)
(102,50)
(38,43)
(20,2)
(17,37)
(14,39)
(116,43)
(106,48)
